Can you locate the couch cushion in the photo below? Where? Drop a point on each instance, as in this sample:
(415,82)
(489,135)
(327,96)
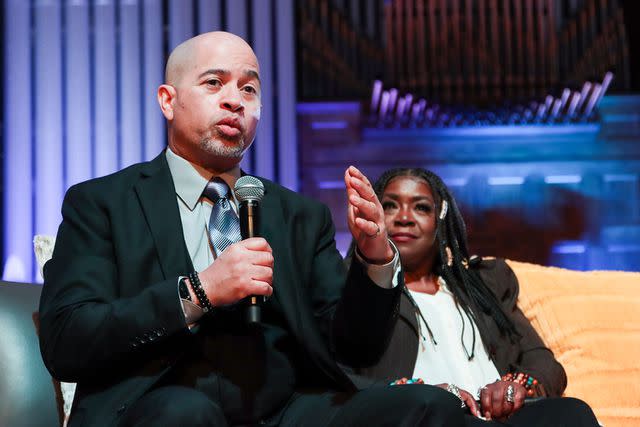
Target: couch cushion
(591,321)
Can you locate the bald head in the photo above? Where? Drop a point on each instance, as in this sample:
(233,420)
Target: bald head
(190,53)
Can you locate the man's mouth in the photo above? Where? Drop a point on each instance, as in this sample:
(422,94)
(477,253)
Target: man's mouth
(229,127)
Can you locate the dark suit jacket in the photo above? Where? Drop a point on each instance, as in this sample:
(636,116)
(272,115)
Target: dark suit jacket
(528,355)
(110,313)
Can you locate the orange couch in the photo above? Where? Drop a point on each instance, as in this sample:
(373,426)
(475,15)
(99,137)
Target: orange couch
(591,321)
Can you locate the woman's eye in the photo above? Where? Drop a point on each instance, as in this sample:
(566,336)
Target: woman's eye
(250,89)
(423,207)
(386,206)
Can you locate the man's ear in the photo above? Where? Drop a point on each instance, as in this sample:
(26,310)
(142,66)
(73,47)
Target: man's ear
(166,97)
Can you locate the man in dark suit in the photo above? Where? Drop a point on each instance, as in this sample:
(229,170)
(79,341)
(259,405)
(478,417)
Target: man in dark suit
(142,298)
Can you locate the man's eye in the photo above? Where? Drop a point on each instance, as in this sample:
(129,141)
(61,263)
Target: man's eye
(250,89)
(214,82)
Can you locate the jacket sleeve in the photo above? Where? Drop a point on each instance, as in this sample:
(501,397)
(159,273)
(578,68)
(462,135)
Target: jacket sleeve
(359,320)
(90,327)
(533,357)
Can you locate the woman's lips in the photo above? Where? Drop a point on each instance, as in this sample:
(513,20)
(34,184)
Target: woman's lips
(402,237)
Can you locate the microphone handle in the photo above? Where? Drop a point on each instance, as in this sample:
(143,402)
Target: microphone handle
(249,219)
(254,310)
(250,227)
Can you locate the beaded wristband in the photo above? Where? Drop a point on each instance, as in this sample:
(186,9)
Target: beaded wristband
(526,380)
(205,304)
(405,380)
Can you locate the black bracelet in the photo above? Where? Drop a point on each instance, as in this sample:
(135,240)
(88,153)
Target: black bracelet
(205,304)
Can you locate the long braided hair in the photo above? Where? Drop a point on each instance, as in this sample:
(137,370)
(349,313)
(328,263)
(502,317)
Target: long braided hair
(452,261)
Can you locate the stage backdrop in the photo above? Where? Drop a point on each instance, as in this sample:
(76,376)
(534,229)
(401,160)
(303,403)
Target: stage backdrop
(80,80)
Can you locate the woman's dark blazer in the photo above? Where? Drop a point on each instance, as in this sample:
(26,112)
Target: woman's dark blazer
(528,354)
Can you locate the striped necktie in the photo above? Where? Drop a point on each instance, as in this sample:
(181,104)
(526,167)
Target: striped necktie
(224,227)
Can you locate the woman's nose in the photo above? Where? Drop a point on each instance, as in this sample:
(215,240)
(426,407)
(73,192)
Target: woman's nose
(404,216)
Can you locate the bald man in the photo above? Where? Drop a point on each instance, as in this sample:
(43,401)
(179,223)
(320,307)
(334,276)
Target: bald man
(143,305)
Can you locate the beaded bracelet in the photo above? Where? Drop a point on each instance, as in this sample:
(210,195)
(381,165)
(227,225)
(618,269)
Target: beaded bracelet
(205,304)
(453,389)
(405,380)
(526,380)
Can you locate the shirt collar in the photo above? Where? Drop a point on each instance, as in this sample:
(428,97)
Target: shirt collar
(191,179)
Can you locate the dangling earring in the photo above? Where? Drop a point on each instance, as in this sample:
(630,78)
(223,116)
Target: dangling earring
(449,256)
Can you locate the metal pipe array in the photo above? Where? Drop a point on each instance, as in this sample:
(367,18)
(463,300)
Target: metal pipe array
(389,109)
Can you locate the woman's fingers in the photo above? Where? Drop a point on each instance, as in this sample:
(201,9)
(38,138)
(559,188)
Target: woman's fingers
(485,401)
(501,399)
(520,395)
(471,403)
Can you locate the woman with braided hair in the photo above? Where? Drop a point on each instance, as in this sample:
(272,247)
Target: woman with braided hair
(459,326)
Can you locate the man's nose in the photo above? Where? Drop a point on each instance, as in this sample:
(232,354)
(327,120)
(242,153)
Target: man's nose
(231,99)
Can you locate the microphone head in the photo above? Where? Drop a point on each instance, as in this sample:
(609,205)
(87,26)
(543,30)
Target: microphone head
(249,188)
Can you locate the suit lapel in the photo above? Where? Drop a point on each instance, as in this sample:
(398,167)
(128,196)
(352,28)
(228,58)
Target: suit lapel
(271,228)
(157,196)
(408,312)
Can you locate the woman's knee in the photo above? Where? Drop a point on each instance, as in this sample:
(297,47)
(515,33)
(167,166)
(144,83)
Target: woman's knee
(557,411)
(578,410)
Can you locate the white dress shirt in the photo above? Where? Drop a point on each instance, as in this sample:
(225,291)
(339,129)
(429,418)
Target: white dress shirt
(447,362)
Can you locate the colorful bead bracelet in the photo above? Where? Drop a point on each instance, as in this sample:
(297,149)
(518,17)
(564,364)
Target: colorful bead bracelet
(407,381)
(526,380)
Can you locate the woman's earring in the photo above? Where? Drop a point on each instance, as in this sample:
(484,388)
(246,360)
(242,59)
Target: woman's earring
(444,209)
(449,256)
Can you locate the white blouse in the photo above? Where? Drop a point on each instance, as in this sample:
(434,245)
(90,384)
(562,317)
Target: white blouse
(447,362)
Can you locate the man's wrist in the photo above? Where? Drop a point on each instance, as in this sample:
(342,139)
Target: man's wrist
(389,256)
(188,301)
(192,294)
(384,275)
(200,294)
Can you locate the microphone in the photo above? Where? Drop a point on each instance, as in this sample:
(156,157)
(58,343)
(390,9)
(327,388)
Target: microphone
(249,192)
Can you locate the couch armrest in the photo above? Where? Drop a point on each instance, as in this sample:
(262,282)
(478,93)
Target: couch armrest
(27,396)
